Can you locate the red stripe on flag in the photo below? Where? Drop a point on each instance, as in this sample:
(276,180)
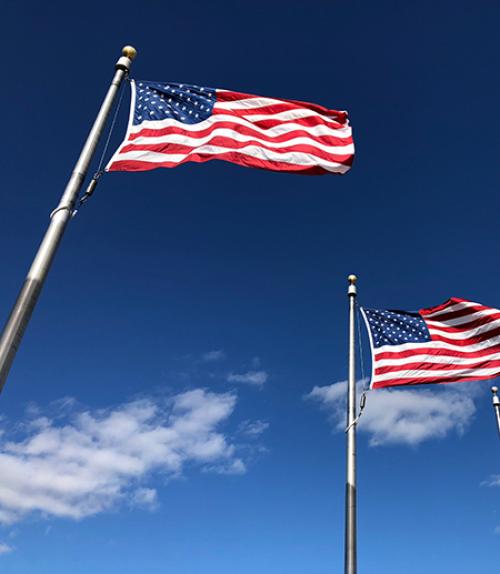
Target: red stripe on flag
(426,366)
(247,130)
(416,381)
(234,157)
(469,341)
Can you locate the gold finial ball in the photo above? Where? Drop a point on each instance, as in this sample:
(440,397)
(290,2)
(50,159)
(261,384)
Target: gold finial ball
(352,279)
(129,52)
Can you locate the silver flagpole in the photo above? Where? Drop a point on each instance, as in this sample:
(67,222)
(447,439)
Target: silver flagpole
(28,296)
(496,405)
(350,565)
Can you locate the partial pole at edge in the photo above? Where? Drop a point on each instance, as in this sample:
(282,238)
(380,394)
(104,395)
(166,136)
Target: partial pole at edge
(350,553)
(28,296)
(496,405)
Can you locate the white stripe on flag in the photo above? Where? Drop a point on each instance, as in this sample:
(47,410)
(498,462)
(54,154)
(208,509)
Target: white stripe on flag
(437,345)
(452,309)
(461,335)
(248,103)
(320,130)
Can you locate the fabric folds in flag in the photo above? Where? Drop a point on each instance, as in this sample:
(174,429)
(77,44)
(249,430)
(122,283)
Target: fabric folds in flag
(456,341)
(173,123)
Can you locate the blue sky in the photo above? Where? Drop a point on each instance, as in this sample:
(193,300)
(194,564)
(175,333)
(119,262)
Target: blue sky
(190,344)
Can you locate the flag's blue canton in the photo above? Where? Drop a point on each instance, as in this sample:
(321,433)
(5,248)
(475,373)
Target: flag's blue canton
(396,327)
(160,101)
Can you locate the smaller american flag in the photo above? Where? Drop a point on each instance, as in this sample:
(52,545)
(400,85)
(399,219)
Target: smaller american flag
(172,123)
(456,341)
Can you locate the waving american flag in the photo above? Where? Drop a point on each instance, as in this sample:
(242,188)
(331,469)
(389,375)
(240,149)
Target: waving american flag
(173,123)
(456,341)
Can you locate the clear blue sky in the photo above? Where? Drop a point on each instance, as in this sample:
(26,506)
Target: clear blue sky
(157,417)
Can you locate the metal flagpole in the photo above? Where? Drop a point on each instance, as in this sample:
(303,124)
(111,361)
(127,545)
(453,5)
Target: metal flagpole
(28,296)
(350,564)
(496,405)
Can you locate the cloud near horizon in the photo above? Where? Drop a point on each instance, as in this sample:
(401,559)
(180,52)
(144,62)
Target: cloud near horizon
(403,416)
(89,461)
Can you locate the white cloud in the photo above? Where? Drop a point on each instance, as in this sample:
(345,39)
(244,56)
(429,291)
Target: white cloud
(497,530)
(213,356)
(257,378)
(236,466)
(493,480)
(5,548)
(253,429)
(403,416)
(91,461)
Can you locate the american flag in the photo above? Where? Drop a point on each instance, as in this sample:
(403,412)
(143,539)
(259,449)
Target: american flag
(456,341)
(173,123)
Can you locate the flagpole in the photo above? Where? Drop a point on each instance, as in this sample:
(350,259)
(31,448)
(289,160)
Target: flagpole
(496,405)
(350,564)
(28,296)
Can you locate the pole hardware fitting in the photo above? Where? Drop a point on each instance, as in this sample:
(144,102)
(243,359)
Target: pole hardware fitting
(496,405)
(60,208)
(496,398)
(362,404)
(128,54)
(352,291)
(90,188)
(123,64)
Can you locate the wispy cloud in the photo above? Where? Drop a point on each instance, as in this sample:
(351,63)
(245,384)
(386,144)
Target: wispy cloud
(493,480)
(5,548)
(257,378)
(497,530)
(403,416)
(90,461)
(213,356)
(253,429)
